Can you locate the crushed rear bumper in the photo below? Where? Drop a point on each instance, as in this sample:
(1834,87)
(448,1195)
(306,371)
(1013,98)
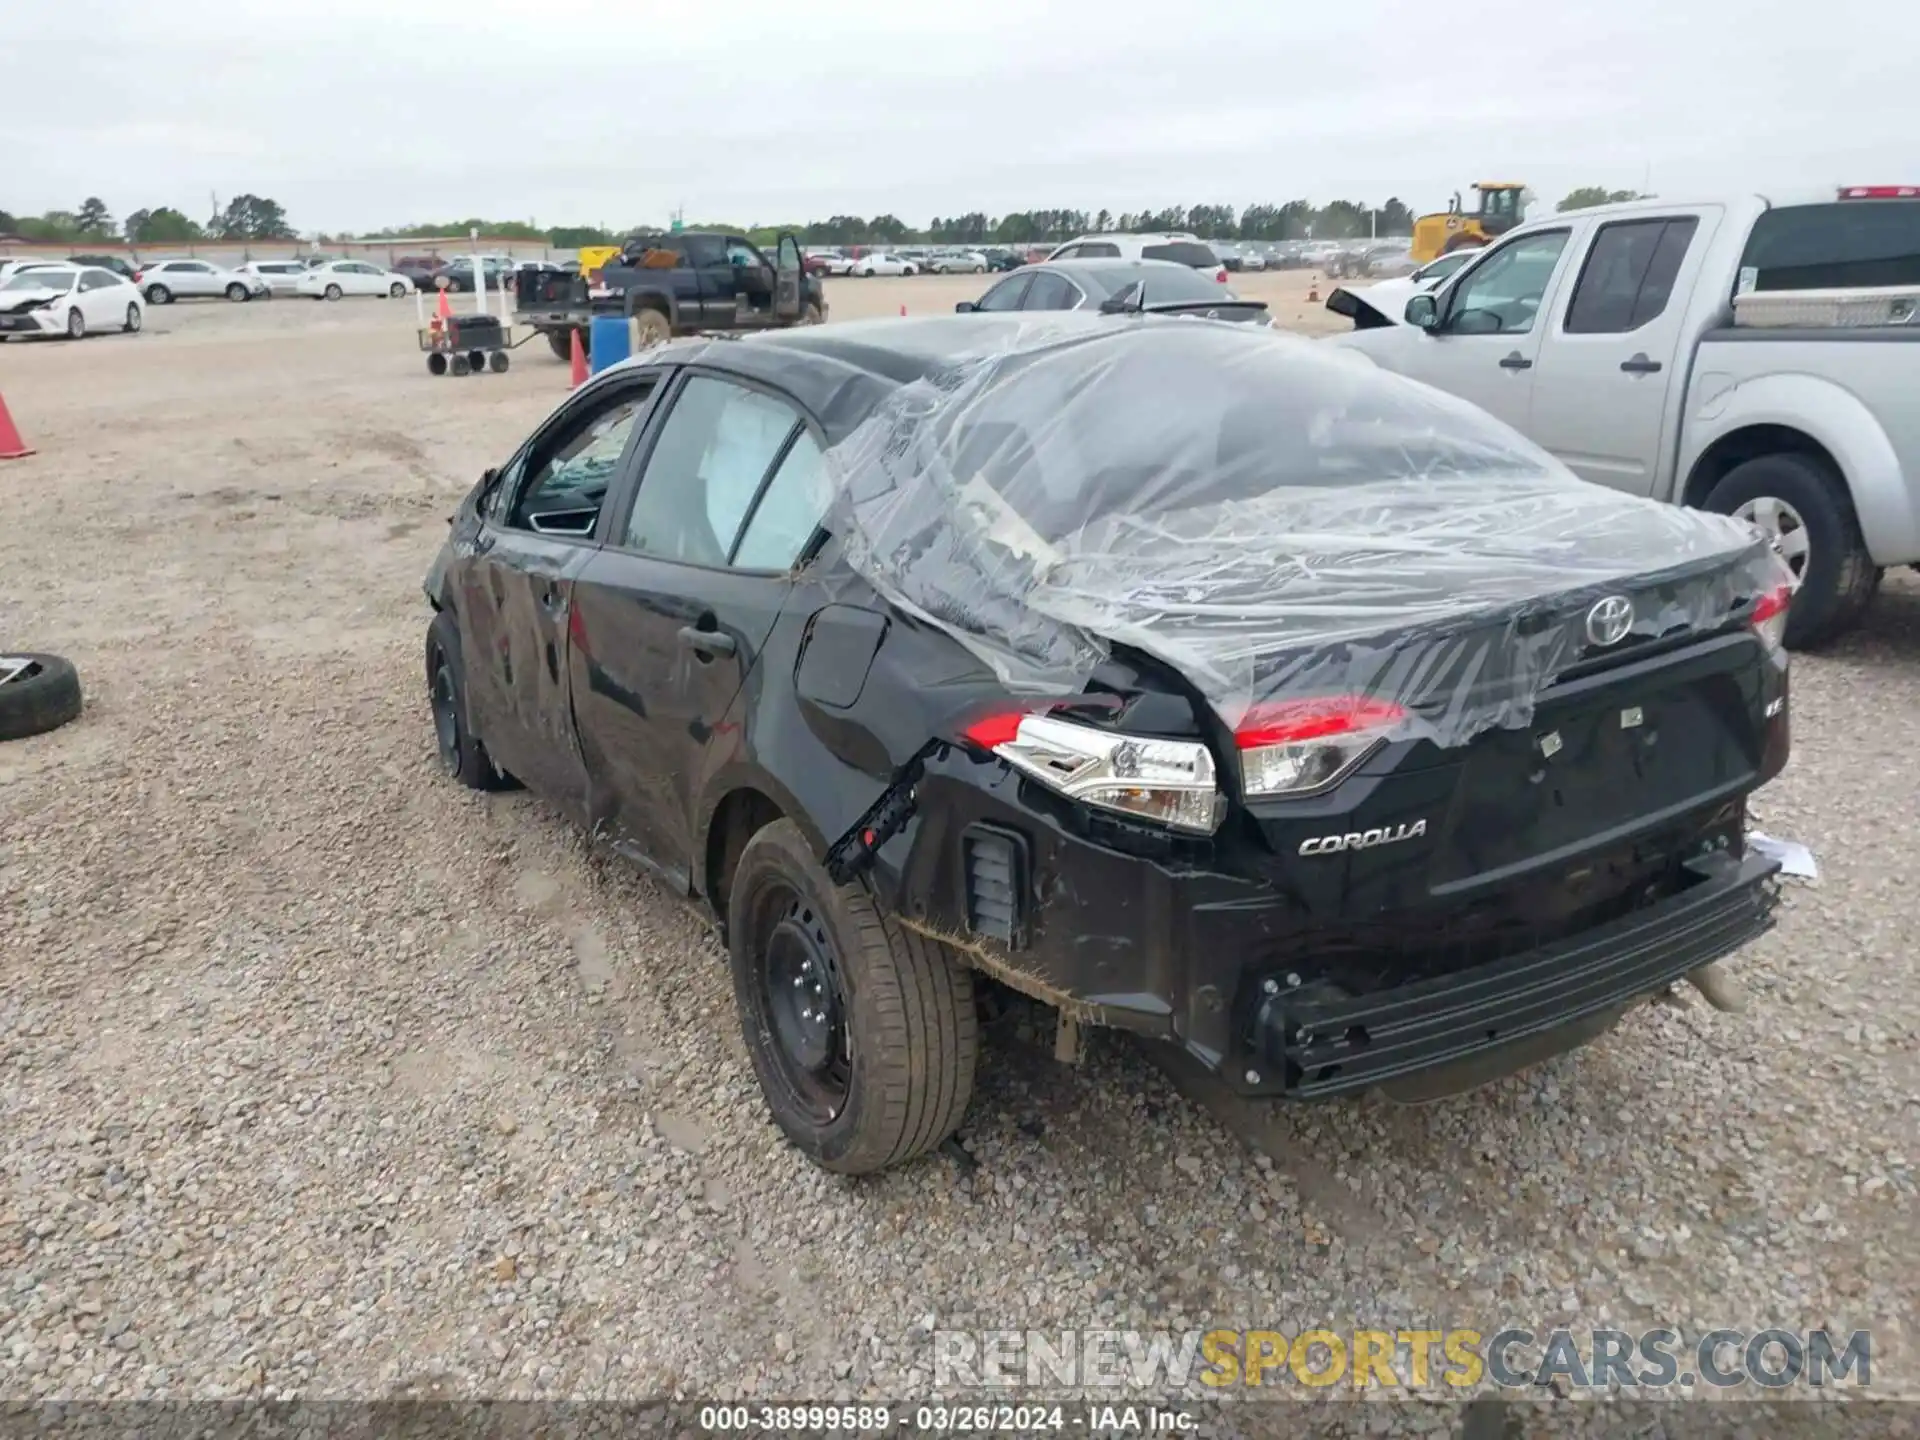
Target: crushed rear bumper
(1323,1045)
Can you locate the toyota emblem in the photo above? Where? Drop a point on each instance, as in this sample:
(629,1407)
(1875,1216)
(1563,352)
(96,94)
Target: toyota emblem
(1609,620)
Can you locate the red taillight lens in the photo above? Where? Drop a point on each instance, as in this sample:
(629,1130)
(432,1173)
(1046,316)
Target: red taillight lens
(1286,722)
(1769,618)
(990,732)
(1301,747)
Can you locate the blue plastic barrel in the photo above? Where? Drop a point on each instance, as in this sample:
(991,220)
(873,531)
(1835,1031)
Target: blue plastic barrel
(609,342)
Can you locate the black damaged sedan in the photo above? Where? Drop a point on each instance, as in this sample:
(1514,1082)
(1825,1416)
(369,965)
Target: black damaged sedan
(1184,676)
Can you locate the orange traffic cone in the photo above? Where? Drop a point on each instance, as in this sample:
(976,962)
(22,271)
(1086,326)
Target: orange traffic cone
(12,447)
(1313,291)
(445,311)
(579,360)
(903,309)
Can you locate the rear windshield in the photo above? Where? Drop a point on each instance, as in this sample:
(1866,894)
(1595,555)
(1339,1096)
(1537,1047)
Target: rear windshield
(1165,284)
(1183,252)
(1844,244)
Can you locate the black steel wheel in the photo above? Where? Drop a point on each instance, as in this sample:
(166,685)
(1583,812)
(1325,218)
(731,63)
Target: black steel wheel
(863,1034)
(804,1004)
(461,754)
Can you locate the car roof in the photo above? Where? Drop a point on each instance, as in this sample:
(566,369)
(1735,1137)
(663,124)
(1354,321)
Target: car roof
(840,372)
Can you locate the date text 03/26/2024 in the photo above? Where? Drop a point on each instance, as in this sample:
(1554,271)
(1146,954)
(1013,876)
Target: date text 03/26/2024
(945,1419)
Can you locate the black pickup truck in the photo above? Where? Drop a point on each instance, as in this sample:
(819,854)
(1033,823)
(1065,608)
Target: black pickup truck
(691,282)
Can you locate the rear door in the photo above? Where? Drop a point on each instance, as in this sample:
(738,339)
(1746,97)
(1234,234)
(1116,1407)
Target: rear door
(103,299)
(708,256)
(671,613)
(1491,321)
(539,529)
(1604,398)
(190,277)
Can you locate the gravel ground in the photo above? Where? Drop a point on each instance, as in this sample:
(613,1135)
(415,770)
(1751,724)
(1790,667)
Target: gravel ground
(325,1077)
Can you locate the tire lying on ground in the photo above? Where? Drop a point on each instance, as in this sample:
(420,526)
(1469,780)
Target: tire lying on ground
(42,695)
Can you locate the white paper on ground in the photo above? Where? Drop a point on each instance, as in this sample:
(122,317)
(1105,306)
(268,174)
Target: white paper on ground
(1794,858)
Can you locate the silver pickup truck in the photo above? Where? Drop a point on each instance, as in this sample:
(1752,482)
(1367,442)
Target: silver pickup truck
(1755,356)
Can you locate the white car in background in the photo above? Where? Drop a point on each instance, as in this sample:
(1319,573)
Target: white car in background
(68,300)
(165,281)
(881,262)
(1387,299)
(282,277)
(338,278)
(957,262)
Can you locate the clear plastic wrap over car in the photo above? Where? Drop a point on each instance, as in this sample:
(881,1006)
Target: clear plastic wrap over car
(1268,520)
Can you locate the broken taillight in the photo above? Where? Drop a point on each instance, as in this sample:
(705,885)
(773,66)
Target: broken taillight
(1169,782)
(1769,617)
(1298,747)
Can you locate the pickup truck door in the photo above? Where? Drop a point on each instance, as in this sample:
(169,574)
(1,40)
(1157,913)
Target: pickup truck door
(1609,380)
(788,271)
(707,254)
(1492,317)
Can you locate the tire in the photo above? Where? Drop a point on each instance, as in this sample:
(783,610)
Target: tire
(809,314)
(396,291)
(436,363)
(1789,494)
(459,365)
(561,343)
(867,273)
(497,362)
(76,325)
(159,295)
(903,1024)
(462,755)
(44,697)
(236,292)
(477,361)
(134,320)
(655,328)
(334,292)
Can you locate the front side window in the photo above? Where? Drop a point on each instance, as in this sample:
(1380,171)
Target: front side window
(569,473)
(1007,294)
(705,469)
(1502,294)
(1050,292)
(739,252)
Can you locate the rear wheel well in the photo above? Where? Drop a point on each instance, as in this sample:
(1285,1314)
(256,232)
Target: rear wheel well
(741,816)
(1750,443)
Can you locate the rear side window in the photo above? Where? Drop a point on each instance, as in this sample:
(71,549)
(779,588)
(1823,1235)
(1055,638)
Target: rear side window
(1628,275)
(1098,250)
(1844,244)
(1183,252)
(1164,283)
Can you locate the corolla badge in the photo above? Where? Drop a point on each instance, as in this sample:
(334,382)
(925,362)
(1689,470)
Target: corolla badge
(1609,620)
(1363,839)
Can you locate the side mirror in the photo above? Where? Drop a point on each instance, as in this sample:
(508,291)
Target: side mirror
(1423,312)
(965,307)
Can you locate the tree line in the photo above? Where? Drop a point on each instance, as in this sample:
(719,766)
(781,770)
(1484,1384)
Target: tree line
(245,217)
(256,217)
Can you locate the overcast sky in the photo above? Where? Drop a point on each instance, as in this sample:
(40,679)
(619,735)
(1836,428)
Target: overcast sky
(356,114)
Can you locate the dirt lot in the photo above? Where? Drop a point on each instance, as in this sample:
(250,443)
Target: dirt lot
(325,1076)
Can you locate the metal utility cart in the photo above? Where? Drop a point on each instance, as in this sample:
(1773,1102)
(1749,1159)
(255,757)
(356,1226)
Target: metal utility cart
(466,344)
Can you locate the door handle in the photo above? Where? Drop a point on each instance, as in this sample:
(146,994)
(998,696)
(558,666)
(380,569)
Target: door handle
(1516,361)
(706,642)
(1640,365)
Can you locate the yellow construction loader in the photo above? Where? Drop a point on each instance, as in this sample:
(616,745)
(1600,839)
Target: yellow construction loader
(1501,207)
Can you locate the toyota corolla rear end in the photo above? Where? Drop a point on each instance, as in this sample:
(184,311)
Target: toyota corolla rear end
(1336,733)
